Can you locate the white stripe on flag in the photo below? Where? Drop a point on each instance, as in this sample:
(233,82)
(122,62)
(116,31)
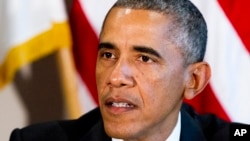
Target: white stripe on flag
(85,97)
(95,11)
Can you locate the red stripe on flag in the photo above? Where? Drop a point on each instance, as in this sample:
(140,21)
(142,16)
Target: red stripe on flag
(238,12)
(206,102)
(85,43)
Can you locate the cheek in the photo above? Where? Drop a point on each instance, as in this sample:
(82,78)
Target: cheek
(161,89)
(152,87)
(153,80)
(101,75)
(99,79)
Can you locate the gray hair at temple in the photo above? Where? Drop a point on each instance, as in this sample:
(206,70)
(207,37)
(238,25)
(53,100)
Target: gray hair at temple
(188,29)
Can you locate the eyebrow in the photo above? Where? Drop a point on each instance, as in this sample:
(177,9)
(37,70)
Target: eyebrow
(142,49)
(148,50)
(106,45)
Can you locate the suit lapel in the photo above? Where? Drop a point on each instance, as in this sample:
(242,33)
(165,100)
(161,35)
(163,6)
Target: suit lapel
(96,133)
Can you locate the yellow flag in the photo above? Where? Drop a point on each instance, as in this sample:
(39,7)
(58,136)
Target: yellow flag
(30,30)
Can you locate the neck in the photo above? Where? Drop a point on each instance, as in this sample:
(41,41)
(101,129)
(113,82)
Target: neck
(162,134)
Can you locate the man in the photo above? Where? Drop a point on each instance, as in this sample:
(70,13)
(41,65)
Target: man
(150,57)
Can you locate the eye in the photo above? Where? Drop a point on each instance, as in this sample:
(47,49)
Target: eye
(145,59)
(108,55)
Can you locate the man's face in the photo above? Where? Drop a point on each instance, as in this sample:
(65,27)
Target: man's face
(140,75)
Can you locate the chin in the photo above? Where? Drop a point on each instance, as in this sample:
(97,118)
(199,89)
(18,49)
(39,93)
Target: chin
(119,132)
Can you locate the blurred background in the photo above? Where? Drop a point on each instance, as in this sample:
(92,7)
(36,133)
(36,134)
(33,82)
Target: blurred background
(48,51)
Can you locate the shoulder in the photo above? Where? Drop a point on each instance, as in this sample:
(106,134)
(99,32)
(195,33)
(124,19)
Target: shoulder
(213,128)
(63,130)
(39,132)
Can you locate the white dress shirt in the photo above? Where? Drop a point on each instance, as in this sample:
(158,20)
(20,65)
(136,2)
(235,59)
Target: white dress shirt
(175,134)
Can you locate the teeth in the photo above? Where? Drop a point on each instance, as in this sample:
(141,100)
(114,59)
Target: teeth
(121,104)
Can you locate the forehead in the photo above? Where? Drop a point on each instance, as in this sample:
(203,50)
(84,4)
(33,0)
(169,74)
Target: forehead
(147,25)
(145,17)
(135,14)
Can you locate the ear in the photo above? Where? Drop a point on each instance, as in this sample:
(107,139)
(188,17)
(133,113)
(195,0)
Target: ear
(198,75)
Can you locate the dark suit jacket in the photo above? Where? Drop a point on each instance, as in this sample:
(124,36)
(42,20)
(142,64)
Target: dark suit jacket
(90,128)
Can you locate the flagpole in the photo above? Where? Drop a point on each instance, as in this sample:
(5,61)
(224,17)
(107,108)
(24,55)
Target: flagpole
(69,82)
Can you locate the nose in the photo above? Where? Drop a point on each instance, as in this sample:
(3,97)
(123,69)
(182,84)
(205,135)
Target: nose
(121,75)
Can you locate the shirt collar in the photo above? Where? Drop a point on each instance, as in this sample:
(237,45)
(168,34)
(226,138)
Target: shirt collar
(174,136)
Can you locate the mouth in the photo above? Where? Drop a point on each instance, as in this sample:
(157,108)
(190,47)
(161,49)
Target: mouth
(118,106)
